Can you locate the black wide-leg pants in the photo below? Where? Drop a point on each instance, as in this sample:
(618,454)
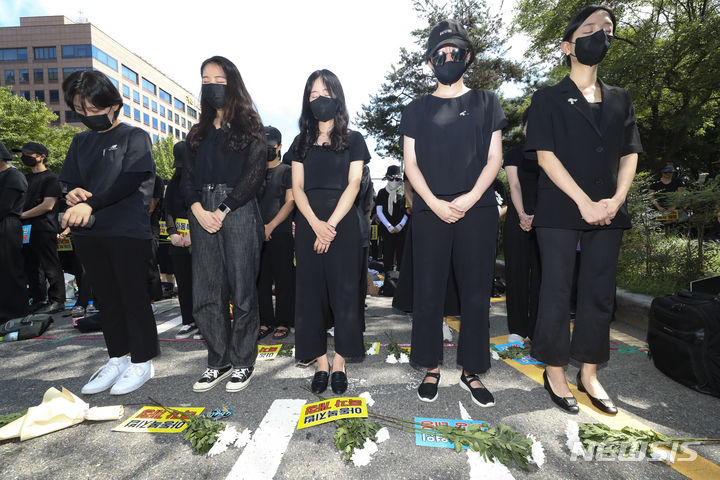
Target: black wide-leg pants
(470,245)
(552,343)
(276,267)
(13,289)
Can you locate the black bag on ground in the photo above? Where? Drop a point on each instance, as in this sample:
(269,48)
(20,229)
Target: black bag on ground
(684,339)
(25,327)
(89,323)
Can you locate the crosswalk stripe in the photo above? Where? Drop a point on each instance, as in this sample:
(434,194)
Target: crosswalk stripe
(165,326)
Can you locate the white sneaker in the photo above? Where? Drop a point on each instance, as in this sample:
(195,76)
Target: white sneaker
(515,338)
(133,378)
(106,375)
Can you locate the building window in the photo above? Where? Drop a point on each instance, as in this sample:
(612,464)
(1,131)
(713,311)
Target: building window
(136,96)
(24,75)
(68,71)
(154,106)
(179,105)
(170,130)
(126,91)
(9,77)
(155,123)
(192,112)
(177,134)
(155,138)
(146,102)
(162,127)
(54,96)
(57,117)
(146,119)
(52,75)
(136,114)
(177,119)
(77,51)
(72,116)
(113,81)
(38,75)
(127,110)
(148,86)
(162,111)
(24,94)
(40,95)
(164,96)
(190,124)
(104,58)
(184,135)
(129,74)
(13,54)
(182,121)
(45,53)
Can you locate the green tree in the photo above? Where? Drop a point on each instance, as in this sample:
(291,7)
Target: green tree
(669,64)
(163,156)
(410,78)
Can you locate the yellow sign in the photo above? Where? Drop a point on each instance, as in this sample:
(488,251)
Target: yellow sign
(158,420)
(182,226)
(163,228)
(373,232)
(64,244)
(268,352)
(331,410)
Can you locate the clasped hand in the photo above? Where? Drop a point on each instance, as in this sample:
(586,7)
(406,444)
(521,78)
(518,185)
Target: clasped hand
(325,234)
(601,212)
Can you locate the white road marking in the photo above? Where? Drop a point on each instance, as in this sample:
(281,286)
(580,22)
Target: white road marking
(165,326)
(261,458)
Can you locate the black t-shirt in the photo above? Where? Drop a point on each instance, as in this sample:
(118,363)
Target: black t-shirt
(278,180)
(664,188)
(596,109)
(383,200)
(327,169)
(13,186)
(452,140)
(94,162)
(41,185)
(528,173)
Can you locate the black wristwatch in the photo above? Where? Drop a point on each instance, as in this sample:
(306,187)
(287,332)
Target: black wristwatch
(224,208)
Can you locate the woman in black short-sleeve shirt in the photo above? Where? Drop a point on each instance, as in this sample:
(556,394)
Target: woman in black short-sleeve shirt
(327,163)
(452,149)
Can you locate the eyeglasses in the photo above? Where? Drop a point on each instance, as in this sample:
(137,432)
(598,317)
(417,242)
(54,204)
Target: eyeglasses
(440,56)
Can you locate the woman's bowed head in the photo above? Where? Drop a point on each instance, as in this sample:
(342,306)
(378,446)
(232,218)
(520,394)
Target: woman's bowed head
(588,35)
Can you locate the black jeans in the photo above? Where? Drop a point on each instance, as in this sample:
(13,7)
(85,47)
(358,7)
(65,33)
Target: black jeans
(276,266)
(227,263)
(117,270)
(595,295)
(41,263)
(469,244)
(13,296)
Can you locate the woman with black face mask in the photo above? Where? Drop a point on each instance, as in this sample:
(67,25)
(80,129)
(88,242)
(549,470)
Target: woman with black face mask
(224,171)
(587,145)
(109,172)
(452,150)
(327,164)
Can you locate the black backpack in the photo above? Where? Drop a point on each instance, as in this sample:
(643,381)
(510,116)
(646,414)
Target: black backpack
(26,327)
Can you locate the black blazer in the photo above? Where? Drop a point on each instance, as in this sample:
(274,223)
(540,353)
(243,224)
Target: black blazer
(561,122)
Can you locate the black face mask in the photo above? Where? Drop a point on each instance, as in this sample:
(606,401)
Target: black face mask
(271,154)
(214,94)
(591,50)
(96,122)
(450,72)
(28,160)
(324,108)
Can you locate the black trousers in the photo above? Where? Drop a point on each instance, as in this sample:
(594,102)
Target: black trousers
(13,290)
(182,268)
(276,266)
(392,248)
(522,276)
(552,343)
(469,245)
(153,282)
(41,263)
(328,280)
(117,270)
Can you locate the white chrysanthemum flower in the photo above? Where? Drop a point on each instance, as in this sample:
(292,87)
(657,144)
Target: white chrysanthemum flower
(573,443)
(662,454)
(481,469)
(404,358)
(494,355)
(217,448)
(362,456)
(373,349)
(226,435)
(391,359)
(368,398)
(243,438)
(538,452)
(463,412)
(382,435)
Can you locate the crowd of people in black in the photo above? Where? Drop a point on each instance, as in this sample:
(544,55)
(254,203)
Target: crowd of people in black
(244,224)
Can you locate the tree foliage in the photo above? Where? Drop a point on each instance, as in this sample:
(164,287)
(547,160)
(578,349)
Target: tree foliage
(23,121)
(669,64)
(163,156)
(410,77)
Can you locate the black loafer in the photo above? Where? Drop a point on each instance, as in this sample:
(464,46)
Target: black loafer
(605,405)
(319,382)
(480,395)
(569,404)
(428,391)
(338,382)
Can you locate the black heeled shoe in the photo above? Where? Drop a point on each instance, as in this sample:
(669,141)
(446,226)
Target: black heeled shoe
(319,382)
(569,404)
(605,405)
(338,382)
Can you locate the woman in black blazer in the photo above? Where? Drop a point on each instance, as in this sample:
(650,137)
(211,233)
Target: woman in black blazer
(587,143)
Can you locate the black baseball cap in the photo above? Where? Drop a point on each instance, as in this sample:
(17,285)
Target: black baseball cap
(273,137)
(447,32)
(33,147)
(4,154)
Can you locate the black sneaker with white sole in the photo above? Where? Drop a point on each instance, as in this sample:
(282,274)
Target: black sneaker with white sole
(211,377)
(239,379)
(480,395)
(428,391)
(187,331)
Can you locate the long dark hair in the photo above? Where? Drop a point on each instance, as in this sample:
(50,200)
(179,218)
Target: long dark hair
(309,124)
(240,123)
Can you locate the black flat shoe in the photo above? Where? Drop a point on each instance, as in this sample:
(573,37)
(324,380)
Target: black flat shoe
(338,382)
(569,404)
(605,405)
(480,395)
(264,333)
(428,391)
(319,382)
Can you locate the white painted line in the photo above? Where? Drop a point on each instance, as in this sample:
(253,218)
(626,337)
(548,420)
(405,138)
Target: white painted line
(165,326)
(261,458)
